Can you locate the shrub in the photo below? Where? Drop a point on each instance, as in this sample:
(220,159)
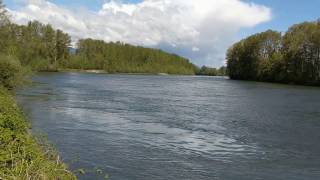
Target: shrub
(12,73)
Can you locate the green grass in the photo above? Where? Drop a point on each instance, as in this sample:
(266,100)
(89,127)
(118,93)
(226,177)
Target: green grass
(22,156)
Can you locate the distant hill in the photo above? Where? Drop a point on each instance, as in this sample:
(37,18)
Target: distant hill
(72,50)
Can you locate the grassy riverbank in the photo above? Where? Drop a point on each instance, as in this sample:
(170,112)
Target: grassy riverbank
(21,155)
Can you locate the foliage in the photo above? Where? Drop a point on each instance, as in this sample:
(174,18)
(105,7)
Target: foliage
(246,56)
(21,157)
(36,45)
(207,71)
(12,74)
(124,58)
(45,49)
(269,56)
(301,50)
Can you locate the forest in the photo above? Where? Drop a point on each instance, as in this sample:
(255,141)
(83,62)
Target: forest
(117,57)
(292,57)
(43,48)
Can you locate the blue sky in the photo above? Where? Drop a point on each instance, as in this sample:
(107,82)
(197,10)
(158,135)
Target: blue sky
(286,13)
(202,33)
(90,4)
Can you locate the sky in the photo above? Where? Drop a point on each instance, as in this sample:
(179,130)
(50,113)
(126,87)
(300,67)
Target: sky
(200,30)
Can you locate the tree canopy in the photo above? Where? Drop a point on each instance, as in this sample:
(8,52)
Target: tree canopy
(293,57)
(36,45)
(208,71)
(45,49)
(117,57)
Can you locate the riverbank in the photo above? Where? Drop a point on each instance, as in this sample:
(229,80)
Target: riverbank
(22,156)
(97,71)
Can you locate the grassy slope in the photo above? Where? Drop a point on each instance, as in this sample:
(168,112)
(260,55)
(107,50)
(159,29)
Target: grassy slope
(21,156)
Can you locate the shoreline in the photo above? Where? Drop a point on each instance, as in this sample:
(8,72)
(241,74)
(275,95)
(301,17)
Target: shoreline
(22,154)
(97,71)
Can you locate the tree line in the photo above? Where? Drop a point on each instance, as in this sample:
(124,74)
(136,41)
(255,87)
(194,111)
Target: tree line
(117,57)
(36,45)
(40,47)
(292,57)
(209,71)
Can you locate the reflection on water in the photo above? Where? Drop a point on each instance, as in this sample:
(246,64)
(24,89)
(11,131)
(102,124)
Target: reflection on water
(155,127)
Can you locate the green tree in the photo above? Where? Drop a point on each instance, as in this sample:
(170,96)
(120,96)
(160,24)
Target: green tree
(268,56)
(250,58)
(63,42)
(124,58)
(301,49)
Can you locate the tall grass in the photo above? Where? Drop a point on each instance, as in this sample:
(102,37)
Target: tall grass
(21,155)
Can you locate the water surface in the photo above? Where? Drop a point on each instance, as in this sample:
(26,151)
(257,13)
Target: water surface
(177,127)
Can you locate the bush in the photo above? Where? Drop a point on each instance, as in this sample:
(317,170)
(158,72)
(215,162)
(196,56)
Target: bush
(12,73)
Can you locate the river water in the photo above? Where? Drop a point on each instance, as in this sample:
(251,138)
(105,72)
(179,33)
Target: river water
(177,127)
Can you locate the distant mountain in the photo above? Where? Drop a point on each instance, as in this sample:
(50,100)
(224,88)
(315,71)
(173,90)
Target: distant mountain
(72,50)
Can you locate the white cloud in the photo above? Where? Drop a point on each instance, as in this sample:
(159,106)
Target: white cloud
(200,30)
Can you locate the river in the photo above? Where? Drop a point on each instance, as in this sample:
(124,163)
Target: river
(135,127)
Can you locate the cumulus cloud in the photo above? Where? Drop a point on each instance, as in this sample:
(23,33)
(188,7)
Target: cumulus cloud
(200,30)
